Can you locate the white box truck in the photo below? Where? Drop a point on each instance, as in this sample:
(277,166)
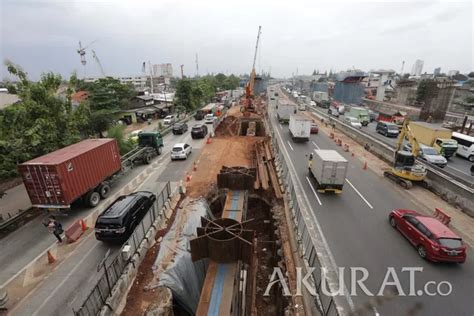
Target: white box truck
(284,110)
(300,127)
(329,169)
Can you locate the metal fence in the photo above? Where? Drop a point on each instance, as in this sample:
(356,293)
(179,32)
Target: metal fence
(324,303)
(112,272)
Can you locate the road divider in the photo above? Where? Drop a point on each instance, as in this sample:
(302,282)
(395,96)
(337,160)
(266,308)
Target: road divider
(452,189)
(25,280)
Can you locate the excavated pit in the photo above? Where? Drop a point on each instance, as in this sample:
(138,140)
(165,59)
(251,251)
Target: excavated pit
(269,251)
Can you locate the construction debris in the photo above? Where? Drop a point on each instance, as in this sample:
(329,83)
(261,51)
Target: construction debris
(265,166)
(236,178)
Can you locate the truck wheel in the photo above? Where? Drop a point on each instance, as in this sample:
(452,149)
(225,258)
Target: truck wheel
(148,159)
(104,190)
(159,150)
(92,198)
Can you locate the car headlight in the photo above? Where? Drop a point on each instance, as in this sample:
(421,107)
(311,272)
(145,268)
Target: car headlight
(120,230)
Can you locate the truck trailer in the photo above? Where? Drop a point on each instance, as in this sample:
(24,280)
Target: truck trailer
(284,110)
(82,171)
(361,114)
(435,136)
(300,127)
(329,169)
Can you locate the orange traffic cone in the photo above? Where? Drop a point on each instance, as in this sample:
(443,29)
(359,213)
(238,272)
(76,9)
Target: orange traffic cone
(365,166)
(208,140)
(51,258)
(353,154)
(194,167)
(83,225)
(188,177)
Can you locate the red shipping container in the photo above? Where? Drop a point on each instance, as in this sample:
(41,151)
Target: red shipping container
(59,178)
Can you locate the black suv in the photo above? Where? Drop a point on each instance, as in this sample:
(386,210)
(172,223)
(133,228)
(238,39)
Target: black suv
(180,128)
(117,222)
(199,131)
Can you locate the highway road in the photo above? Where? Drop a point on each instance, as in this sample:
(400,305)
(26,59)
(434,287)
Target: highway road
(70,283)
(355,225)
(457,166)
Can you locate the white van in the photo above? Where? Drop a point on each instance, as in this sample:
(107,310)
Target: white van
(465,145)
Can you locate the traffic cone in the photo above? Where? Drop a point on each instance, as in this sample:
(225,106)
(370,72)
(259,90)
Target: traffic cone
(353,154)
(194,167)
(83,225)
(188,177)
(365,166)
(51,258)
(208,140)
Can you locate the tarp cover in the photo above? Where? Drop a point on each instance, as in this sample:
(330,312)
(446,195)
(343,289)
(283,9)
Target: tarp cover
(173,267)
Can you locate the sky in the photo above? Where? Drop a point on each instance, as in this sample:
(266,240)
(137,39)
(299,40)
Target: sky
(298,36)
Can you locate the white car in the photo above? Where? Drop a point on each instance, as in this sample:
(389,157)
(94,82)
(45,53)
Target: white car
(181,151)
(170,119)
(352,121)
(209,118)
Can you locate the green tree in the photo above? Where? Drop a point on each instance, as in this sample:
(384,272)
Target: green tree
(109,93)
(184,94)
(117,132)
(40,123)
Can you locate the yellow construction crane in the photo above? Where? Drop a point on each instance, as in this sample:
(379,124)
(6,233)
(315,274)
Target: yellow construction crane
(405,169)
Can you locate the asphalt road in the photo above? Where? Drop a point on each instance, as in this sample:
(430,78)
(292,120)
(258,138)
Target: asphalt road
(457,166)
(70,283)
(355,225)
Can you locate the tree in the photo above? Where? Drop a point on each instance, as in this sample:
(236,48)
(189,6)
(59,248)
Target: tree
(471,74)
(117,132)
(109,93)
(40,123)
(184,94)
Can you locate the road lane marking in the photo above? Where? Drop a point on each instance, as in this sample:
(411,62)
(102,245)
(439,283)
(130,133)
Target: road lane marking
(290,145)
(459,170)
(79,264)
(314,191)
(315,145)
(361,196)
(318,228)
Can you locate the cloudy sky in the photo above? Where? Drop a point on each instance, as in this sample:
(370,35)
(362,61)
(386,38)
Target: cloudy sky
(296,35)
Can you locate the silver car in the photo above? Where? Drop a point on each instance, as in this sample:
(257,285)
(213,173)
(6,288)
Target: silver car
(181,151)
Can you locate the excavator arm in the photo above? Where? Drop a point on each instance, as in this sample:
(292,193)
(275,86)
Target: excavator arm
(407,134)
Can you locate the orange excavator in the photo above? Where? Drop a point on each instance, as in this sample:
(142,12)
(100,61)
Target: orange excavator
(248,105)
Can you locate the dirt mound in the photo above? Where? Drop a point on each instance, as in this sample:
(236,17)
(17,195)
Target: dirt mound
(228,127)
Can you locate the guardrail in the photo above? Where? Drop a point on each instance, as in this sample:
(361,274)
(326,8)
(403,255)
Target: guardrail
(453,189)
(306,235)
(97,298)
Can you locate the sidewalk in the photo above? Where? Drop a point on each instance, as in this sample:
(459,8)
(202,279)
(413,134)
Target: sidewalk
(16,199)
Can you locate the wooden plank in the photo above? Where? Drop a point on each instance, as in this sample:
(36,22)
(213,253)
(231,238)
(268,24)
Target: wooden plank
(263,172)
(275,183)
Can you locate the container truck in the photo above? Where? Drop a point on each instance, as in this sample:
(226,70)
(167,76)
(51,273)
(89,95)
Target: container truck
(361,114)
(83,171)
(300,127)
(433,135)
(321,99)
(329,169)
(284,110)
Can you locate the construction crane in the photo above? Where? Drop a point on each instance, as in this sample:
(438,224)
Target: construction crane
(94,55)
(82,53)
(405,169)
(249,93)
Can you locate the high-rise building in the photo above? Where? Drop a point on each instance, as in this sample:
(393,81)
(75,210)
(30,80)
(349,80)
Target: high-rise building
(417,68)
(437,71)
(165,70)
(453,72)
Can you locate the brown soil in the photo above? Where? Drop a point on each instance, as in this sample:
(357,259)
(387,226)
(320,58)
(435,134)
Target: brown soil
(222,151)
(138,299)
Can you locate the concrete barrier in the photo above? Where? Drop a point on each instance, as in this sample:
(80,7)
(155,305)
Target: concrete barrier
(119,293)
(32,274)
(448,188)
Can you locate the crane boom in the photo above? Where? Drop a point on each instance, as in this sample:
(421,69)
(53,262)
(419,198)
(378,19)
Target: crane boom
(251,83)
(94,55)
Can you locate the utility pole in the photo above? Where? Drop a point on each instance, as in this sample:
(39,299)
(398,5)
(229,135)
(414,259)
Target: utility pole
(197,66)
(182,72)
(403,66)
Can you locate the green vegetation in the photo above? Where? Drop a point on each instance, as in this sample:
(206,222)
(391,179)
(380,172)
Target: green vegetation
(45,120)
(193,93)
(117,132)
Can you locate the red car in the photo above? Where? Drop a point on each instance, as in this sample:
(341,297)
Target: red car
(433,240)
(314,128)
